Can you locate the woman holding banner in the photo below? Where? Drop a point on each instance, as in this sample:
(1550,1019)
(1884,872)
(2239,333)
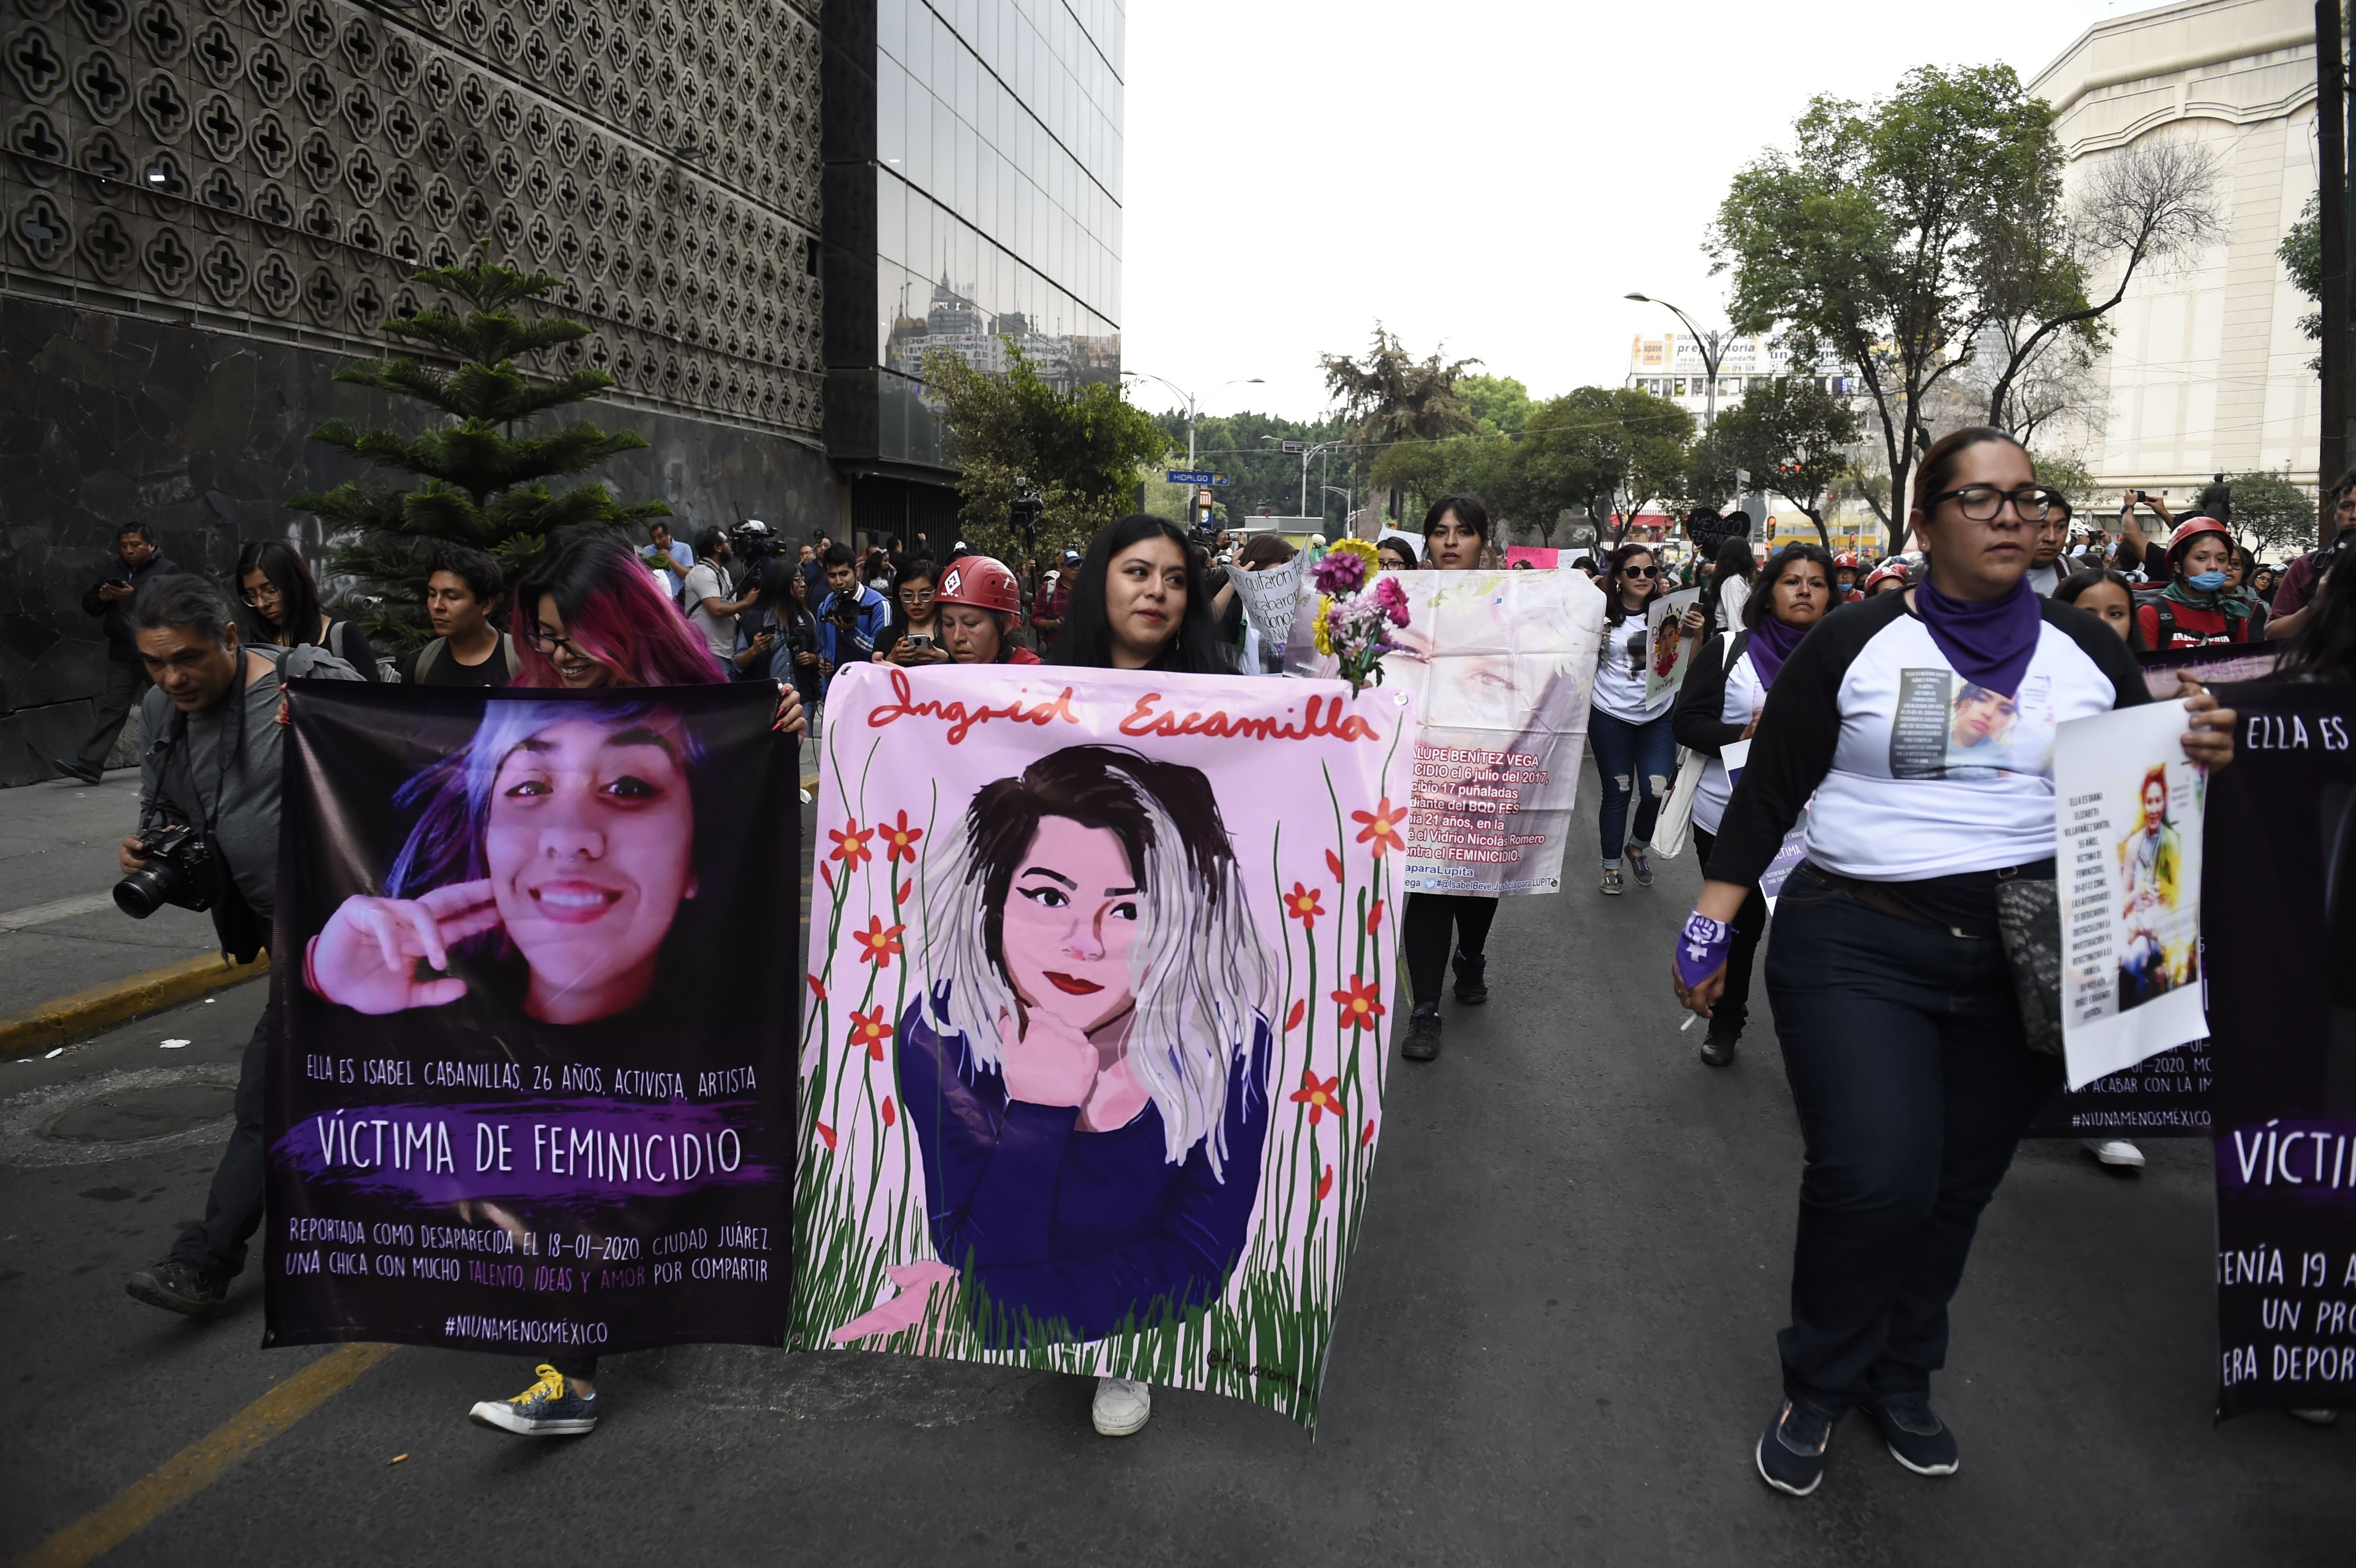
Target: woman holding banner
(589,616)
(1633,748)
(1455,532)
(1894,1003)
(1725,688)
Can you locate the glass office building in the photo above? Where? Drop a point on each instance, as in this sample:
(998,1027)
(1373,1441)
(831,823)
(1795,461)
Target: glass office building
(972,199)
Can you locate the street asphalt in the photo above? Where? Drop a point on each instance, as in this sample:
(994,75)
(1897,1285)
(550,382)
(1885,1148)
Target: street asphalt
(1556,1345)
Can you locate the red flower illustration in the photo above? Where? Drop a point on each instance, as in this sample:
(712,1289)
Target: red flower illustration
(826,875)
(900,839)
(1333,864)
(878,943)
(1380,825)
(1325,1184)
(870,1030)
(1305,904)
(850,846)
(1319,1097)
(889,1115)
(826,1136)
(818,987)
(1369,1135)
(1374,917)
(900,893)
(1293,1020)
(1361,1004)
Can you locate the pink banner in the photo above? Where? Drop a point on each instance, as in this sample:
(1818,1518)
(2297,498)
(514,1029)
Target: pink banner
(1543,559)
(1100,990)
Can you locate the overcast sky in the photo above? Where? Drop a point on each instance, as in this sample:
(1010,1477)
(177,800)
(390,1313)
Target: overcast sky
(1513,168)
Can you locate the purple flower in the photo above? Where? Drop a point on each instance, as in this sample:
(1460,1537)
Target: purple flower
(1340,573)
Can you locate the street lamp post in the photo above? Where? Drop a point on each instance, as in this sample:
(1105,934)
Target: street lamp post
(1307,452)
(1349,504)
(1191,399)
(1713,349)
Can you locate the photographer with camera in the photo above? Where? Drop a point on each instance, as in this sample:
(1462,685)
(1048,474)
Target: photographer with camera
(853,618)
(207,838)
(709,609)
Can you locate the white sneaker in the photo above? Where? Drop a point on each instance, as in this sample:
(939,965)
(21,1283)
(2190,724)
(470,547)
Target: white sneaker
(2317,1417)
(1123,1405)
(2114,1151)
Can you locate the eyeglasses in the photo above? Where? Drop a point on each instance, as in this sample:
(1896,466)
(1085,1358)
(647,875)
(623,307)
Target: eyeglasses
(1640,572)
(545,643)
(1981,502)
(270,591)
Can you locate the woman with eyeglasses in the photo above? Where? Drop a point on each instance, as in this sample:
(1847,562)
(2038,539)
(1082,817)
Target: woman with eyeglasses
(282,607)
(1894,1005)
(914,635)
(1635,750)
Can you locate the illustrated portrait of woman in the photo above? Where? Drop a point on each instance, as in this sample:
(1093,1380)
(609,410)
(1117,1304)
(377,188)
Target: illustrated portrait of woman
(2151,863)
(551,858)
(1088,1076)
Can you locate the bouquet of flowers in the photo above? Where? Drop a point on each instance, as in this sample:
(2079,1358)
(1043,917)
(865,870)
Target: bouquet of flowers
(1353,623)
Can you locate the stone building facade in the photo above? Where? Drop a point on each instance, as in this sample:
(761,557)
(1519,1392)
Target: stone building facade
(208,206)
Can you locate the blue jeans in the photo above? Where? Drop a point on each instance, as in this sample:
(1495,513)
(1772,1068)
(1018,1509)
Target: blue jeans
(1630,758)
(1902,1044)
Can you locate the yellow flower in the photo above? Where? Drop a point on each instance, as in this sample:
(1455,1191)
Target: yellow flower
(1362,549)
(1324,634)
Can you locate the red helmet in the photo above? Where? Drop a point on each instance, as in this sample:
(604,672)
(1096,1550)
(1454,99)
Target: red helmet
(1887,571)
(978,580)
(2192,528)
(1845,559)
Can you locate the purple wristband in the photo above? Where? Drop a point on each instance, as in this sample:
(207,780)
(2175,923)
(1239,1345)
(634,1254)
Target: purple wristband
(1701,948)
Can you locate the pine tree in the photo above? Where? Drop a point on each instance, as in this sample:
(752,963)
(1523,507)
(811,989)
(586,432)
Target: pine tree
(484,485)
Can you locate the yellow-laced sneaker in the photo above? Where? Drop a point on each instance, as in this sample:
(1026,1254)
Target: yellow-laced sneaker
(552,1407)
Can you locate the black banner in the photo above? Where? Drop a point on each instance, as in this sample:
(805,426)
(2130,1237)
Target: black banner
(2278,924)
(531,1083)
(2166,1097)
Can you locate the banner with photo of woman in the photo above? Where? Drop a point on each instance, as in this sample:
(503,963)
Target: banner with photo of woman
(2127,860)
(1100,990)
(533,1090)
(1501,665)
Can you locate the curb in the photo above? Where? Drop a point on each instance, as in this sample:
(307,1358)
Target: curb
(119,1001)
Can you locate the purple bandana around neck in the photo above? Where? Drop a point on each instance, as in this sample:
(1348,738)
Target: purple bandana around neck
(1991,642)
(1772,642)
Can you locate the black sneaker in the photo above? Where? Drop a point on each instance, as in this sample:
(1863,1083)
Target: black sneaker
(1423,1033)
(1718,1050)
(87,776)
(553,1407)
(1918,1439)
(177,1286)
(1792,1450)
(1471,979)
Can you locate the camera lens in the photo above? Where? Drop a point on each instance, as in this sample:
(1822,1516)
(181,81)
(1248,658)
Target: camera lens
(145,890)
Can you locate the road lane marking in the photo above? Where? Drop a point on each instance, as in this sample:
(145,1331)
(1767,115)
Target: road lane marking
(55,909)
(203,1462)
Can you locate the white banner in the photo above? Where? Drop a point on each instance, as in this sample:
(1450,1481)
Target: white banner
(2128,858)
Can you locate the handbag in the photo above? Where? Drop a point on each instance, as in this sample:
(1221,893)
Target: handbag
(2029,923)
(1673,827)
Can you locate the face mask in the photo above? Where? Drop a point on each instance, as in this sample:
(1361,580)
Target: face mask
(2207,581)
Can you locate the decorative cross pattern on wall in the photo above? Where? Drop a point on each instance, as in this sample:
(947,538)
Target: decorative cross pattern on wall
(285,164)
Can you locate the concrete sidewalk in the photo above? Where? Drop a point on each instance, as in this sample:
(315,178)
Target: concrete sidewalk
(59,931)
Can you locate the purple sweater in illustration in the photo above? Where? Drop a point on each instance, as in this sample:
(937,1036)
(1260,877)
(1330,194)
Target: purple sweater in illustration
(1079,1230)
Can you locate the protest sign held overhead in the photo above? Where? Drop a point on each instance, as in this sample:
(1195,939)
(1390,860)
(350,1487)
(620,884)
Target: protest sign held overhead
(1270,595)
(1100,990)
(532,1090)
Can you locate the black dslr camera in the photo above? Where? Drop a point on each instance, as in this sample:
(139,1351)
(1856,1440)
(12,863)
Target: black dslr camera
(178,871)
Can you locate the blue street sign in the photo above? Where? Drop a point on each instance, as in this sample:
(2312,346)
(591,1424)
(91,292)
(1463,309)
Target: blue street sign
(1196,476)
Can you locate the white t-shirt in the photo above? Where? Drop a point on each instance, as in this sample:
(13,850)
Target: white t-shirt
(706,581)
(1619,678)
(2044,580)
(1744,697)
(1732,594)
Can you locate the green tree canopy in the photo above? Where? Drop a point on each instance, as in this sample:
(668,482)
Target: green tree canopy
(483,485)
(1868,242)
(2273,514)
(1081,453)
(1500,403)
(1390,396)
(1605,451)
(1791,435)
